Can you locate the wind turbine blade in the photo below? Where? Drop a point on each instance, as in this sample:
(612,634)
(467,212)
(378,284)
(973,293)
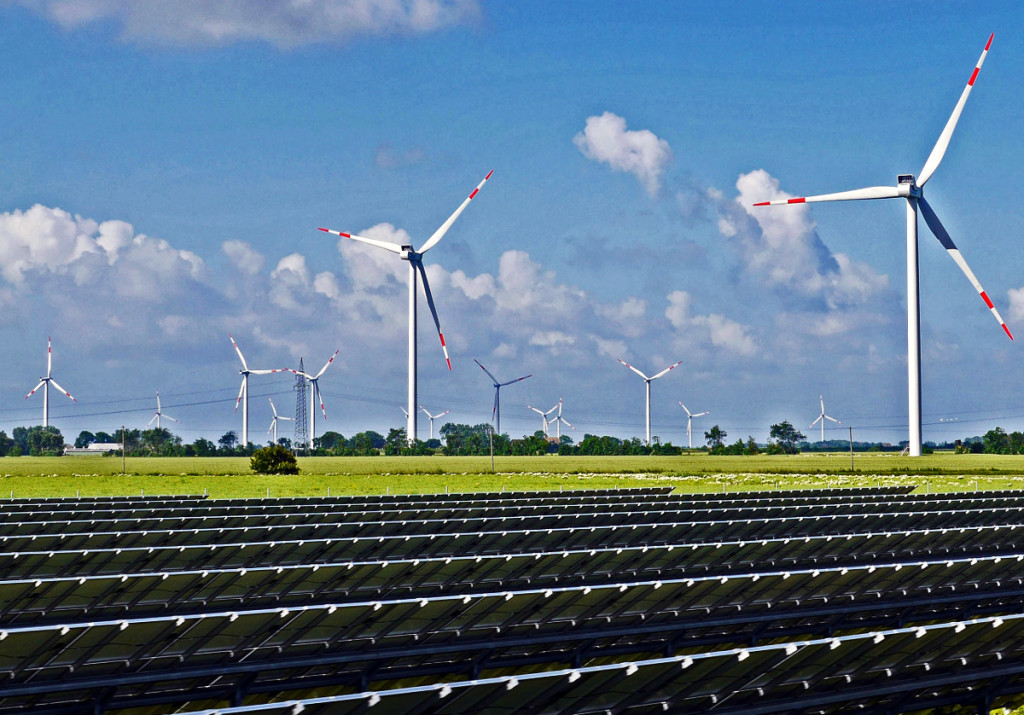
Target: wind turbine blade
(297,372)
(817,420)
(442,414)
(240,391)
(324,368)
(288,419)
(168,417)
(539,412)
(49,355)
(493,378)
(320,399)
(62,389)
(152,420)
(666,370)
(633,369)
(440,232)
(271,427)
(41,383)
(518,379)
(939,150)
(271,371)
(940,233)
(404,411)
(701,414)
(494,410)
(871,192)
(567,423)
(822,401)
(237,350)
(386,245)
(833,419)
(685,410)
(273,409)
(433,310)
(158,400)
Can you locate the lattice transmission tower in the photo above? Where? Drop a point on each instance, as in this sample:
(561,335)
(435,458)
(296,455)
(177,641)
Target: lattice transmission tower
(301,418)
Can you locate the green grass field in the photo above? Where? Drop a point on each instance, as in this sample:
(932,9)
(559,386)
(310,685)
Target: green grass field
(231,477)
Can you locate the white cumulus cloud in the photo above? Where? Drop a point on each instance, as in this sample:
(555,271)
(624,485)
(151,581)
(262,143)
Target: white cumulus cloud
(638,152)
(722,332)
(283,23)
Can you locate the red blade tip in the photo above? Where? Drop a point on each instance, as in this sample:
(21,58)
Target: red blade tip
(325,230)
(763,203)
(989,41)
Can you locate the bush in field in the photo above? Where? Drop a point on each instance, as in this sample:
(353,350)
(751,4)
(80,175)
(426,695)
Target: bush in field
(273,460)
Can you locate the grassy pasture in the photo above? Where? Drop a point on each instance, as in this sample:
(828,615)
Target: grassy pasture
(231,477)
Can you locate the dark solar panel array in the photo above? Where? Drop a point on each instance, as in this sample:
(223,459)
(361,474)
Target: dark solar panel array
(650,601)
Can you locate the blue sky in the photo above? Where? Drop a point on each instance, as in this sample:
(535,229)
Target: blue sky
(164,167)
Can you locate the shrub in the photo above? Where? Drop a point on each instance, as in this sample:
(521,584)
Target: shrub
(273,460)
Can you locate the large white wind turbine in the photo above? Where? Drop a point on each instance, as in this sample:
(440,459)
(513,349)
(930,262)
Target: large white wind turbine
(822,417)
(432,418)
(415,258)
(647,385)
(559,421)
(689,424)
(159,413)
(543,416)
(912,190)
(315,396)
(273,422)
(496,412)
(243,391)
(44,382)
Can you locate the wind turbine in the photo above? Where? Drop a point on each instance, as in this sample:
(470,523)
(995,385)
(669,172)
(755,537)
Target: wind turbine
(647,383)
(689,424)
(44,382)
(432,418)
(913,191)
(415,258)
(273,422)
(159,413)
(496,412)
(243,391)
(543,416)
(559,420)
(822,417)
(315,396)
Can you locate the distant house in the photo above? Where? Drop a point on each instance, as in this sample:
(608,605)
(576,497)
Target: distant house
(94,448)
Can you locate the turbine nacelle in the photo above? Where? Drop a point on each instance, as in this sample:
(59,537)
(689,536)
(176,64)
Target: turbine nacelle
(906,186)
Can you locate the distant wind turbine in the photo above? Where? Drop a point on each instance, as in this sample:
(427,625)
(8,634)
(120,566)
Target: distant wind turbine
(913,192)
(822,417)
(559,421)
(432,418)
(159,413)
(543,416)
(689,424)
(415,258)
(243,391)
(273,422)
(44,382)
(496,412)
(315,396)
(647,384)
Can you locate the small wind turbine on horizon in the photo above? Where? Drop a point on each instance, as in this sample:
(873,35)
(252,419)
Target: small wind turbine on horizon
(822,417)
(432,418)
(243,391)
(44,382)
(159,413)
(315,396)
(415,258)
(273,422)
(647,385)
(543,416)
(689,424)
(559,421)
(913,192)
(496,412)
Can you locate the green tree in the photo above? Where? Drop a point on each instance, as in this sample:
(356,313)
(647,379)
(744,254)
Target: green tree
(6,444)
(396,442)
(715,437)
(204,447)
(45,441)
(996,441)
(228,441)
(273,460)
(785,436)
(84,439)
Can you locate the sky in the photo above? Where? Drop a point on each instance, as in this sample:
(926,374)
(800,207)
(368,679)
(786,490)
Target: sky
(165,165)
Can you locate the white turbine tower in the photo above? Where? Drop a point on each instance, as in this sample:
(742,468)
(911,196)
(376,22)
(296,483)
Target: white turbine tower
(315,396)
(543,417)
(243,391)
(415,258)
(822,417)
(496,412)
(273,422)
(159,413)
(44,382)
(912,191)
(689,424)
(432,418)
(647,384)
(559,421)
